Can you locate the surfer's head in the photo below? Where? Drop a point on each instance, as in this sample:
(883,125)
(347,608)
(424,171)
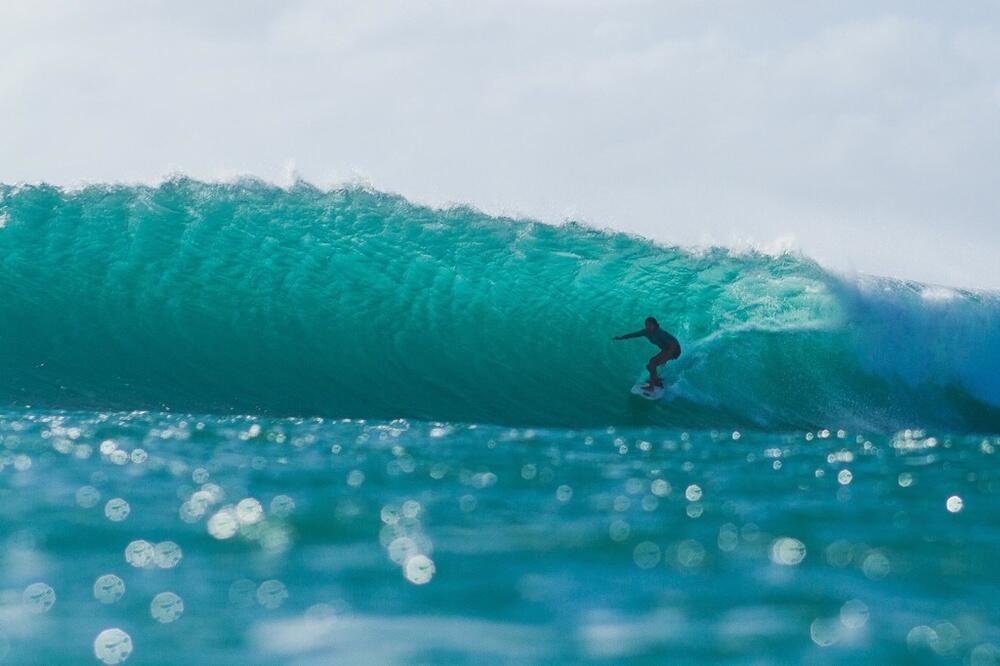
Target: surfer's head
(651,324)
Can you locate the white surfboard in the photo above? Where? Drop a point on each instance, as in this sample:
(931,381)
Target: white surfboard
(643,391)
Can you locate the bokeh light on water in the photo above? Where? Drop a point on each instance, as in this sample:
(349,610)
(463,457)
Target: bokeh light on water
(154,538)
(166,607)
(109,588)
(113,646)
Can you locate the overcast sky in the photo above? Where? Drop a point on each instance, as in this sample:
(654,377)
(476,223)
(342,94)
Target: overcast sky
(866,134)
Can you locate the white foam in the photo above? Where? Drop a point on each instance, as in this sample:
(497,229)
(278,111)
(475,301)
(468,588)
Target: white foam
(927,334)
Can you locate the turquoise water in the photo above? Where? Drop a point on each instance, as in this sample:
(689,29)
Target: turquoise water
(255,299)
(314,541)
(247,424)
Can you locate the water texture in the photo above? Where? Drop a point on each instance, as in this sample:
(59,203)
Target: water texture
(250,298)
(306,541)
(244,424)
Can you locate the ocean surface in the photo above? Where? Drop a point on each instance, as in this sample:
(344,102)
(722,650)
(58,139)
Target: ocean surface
(245,424)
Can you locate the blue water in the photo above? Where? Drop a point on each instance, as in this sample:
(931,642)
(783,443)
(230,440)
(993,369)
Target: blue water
(250,298)
(246,424)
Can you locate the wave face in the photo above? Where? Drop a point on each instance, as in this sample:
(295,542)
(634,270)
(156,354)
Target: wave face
(247,297)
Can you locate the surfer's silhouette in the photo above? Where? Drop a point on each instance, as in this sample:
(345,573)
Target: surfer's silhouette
(669,348)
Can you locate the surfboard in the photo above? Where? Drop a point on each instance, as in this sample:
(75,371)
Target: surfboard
(649,394)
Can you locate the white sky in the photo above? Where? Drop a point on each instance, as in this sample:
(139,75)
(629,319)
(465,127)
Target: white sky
(866,134)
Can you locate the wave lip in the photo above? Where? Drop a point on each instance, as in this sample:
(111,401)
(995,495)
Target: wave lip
(351,302)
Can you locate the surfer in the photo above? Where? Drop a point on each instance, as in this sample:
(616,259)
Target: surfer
(669,348)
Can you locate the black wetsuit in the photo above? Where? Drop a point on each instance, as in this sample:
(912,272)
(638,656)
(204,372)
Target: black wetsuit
(664,341)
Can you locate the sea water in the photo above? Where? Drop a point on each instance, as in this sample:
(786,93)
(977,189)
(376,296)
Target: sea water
(246,424)
(207,539)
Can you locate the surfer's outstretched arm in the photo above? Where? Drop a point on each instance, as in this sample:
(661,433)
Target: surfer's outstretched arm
(637,334)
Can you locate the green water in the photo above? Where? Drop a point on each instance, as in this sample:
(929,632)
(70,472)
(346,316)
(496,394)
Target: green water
(311,542)
(375,432)
(250,298)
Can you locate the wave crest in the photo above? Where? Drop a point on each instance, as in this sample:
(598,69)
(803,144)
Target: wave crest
(350,302)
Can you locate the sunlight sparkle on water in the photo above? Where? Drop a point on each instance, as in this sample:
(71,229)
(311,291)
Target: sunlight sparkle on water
(109,588)
(787,551)
(39,598)
(511,526)
(113,646)
(166,607)
(419,569)
(271,594)
(140,553)
(117,509)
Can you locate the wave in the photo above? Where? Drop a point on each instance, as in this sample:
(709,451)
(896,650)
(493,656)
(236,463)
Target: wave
(248,297)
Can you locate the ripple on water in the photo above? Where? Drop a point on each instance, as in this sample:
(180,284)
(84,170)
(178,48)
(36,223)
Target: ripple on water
(663,515)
